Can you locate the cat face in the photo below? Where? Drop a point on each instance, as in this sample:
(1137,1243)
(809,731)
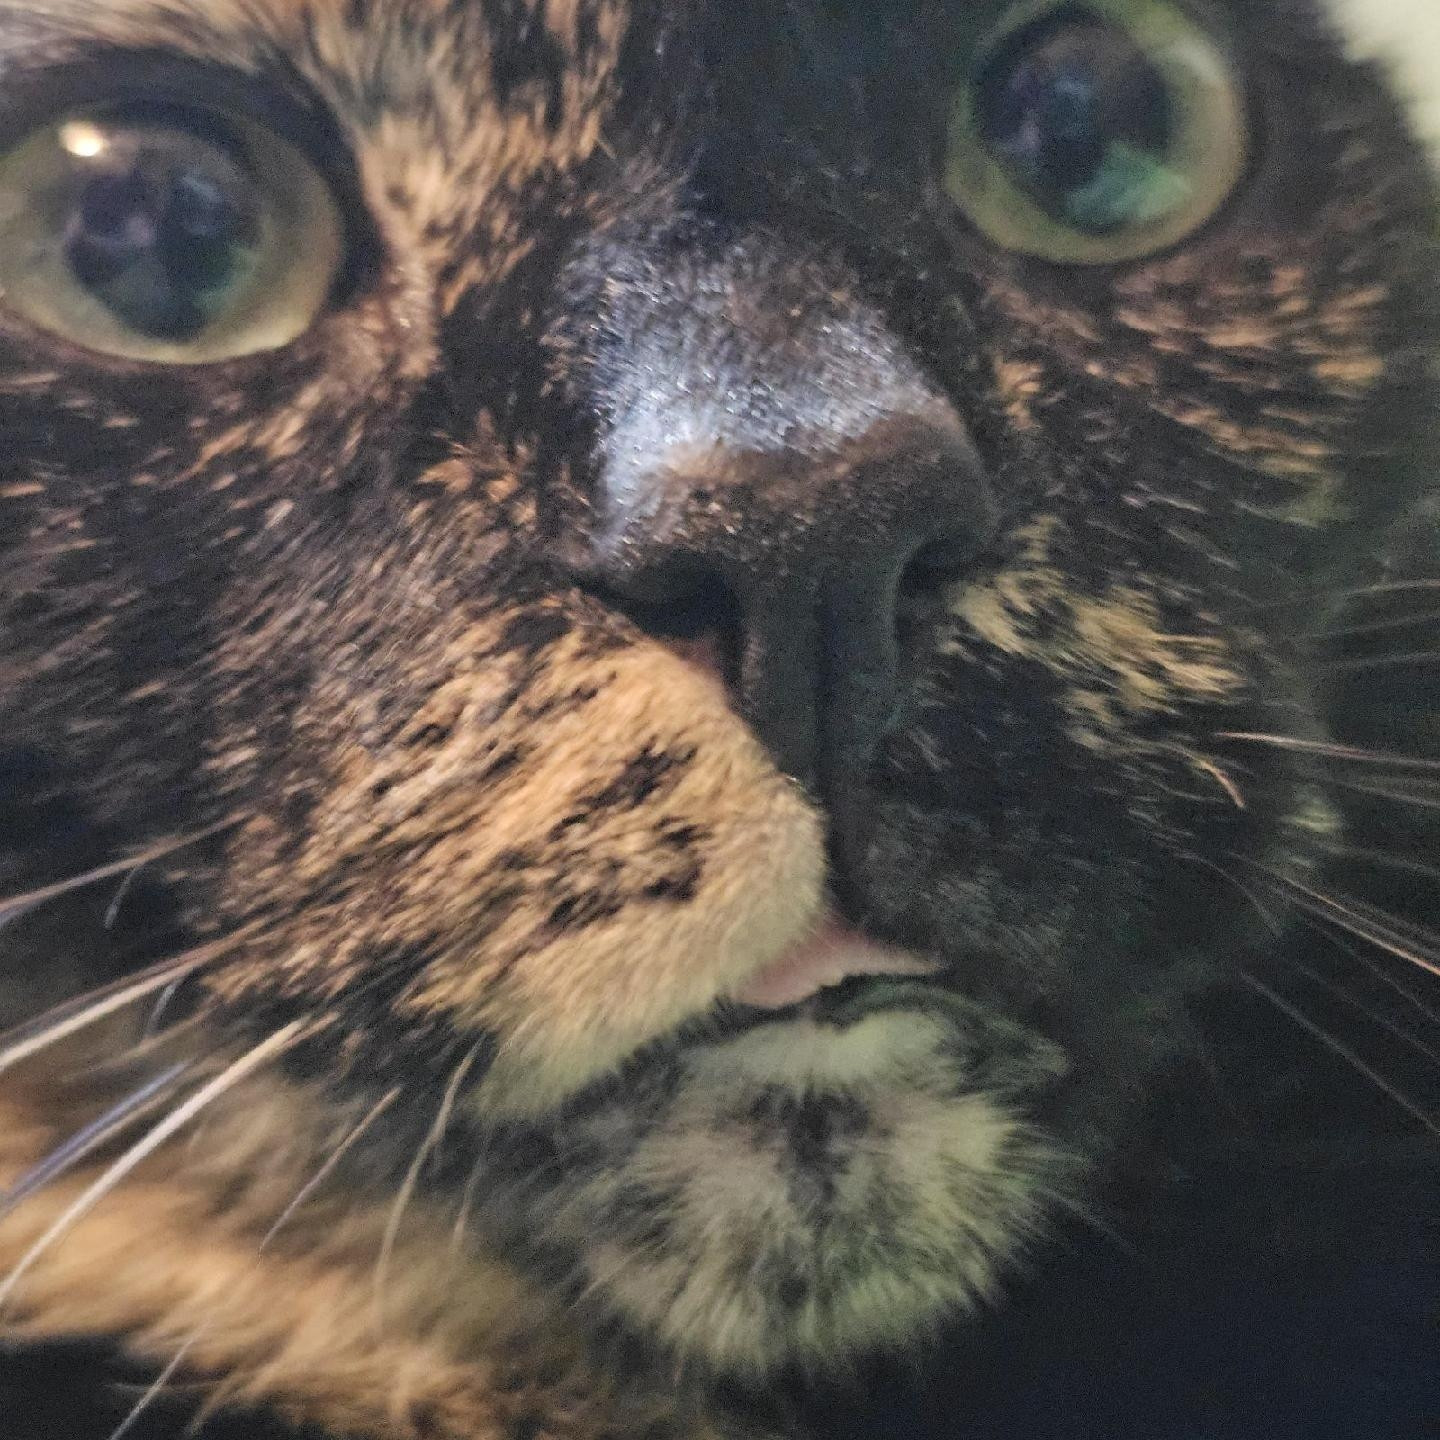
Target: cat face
(598,519)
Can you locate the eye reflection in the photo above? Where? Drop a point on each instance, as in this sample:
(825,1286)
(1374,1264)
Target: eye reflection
(162,235)
(161,231)
(1095,132)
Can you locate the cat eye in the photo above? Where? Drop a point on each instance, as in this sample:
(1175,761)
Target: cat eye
(1096,131)
(165,235)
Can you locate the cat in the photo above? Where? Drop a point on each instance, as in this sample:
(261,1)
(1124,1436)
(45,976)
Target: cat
(652,657)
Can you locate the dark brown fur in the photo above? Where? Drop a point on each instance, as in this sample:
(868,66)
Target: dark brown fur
(498,853)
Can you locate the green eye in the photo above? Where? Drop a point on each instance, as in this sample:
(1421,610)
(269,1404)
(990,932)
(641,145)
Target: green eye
(1096,131)
(156,235)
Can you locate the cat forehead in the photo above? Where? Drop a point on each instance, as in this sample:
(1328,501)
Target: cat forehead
(459,59)
(201,24)
(446,100)
(416,40)
(443,101)
(370,60)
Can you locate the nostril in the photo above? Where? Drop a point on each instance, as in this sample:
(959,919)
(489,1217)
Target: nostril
(675,602)
(938,563)
(920,596)
(691,612)
(920,606)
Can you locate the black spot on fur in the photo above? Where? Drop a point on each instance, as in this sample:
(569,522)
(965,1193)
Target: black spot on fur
(641,780)
(533,631)
(575,912)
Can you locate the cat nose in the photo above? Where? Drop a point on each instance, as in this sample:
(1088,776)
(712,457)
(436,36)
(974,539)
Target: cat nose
(812,556)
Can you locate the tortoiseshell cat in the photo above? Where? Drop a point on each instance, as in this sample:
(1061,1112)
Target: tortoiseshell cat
(655,647)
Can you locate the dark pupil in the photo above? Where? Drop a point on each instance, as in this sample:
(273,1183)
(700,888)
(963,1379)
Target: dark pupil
(160,228)
(1081,119)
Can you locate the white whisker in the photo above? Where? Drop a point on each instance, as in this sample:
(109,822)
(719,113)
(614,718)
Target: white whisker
(18,904)
(153,1391)
(152,1021)
(1428,618)
(173,1123)
(1078,1210)
(1338,942)
(1359,664)
(1328,750)
(1354,1002)
(1365,922)
(1426,799)
(157,1386)
(1343,1051)
(1384,860)
(1326,595)
(88,1139)
(112,911)
(331,1162)
(412,1178)
(76,1015)
(467,1204)
(14,910)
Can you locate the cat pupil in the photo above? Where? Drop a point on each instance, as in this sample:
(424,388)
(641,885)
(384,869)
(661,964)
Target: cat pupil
(161,235)
(1082,120)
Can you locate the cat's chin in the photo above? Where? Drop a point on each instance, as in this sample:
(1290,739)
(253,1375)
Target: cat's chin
(809,1188)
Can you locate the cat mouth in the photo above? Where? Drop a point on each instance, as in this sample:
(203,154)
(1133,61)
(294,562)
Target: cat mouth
(832,958)
(839,977)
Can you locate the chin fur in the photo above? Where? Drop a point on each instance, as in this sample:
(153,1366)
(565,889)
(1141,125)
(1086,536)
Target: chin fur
(800,1192)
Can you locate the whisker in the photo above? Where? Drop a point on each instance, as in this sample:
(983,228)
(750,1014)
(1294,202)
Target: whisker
(1384,859)
(1428,799)
(115,1173)
(1225,781)
(1328,750)
(18,904)
(467,1204)
(122,1062)
(406,1192)
(79,1014)
(1430,1015)
(1356,665)
(153,1391)
(112,911)
(157,1012)
(1076,1209)
(1366,922)
(14,910)
(335,1157)
(157,1386)
(1285,1007)
(1375,627)
(1354,1002)
(1410,932)
(1312,922)
(1324,595)
(1388,587)
(88,1139)
(1342,1050)
(1235,883)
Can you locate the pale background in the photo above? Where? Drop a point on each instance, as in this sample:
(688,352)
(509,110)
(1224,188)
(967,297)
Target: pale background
(1406,35)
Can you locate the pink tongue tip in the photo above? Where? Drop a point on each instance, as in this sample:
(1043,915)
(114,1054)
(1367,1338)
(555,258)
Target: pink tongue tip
(832,954)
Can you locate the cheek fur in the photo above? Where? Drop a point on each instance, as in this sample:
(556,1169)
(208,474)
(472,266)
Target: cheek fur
(566,860)
(635,919)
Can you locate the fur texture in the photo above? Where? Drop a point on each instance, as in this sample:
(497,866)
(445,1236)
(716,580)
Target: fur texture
(682,528)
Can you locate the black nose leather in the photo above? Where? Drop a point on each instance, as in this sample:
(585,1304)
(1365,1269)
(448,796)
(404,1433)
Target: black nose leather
(807,557)
(776,466)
